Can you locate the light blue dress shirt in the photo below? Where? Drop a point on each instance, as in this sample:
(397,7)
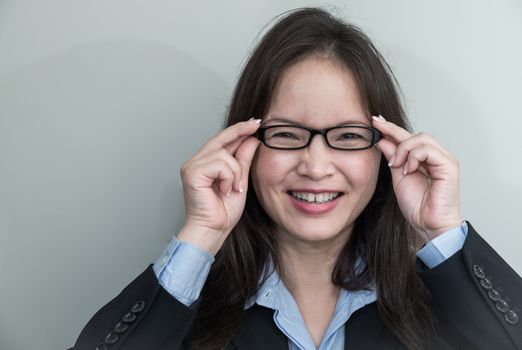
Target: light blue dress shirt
(183,268)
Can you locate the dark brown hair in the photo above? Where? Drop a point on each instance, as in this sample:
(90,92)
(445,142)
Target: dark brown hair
(381,236)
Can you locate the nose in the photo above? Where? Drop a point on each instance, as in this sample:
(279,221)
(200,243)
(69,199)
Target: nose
(316,160)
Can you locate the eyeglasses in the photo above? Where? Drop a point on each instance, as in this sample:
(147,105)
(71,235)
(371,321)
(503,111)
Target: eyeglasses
(346,138)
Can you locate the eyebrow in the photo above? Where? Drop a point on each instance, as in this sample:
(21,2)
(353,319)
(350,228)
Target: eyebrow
(292,122)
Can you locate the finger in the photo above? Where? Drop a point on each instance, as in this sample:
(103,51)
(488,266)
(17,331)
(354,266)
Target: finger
(432,159)
(413,163)
(416,141)
(387,147)
(390,130)
(232,147)
(222,155)
(421,169)
(226,180)
(228,136)
(244,155)
(236,170)
(215,173)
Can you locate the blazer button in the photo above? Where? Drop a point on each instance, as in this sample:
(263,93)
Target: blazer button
(511,317)
(121,327)
(502,306)
(130,317)
(494,295)
(101,347)
(138,307)
(478,271)
(111,338)
(486,284)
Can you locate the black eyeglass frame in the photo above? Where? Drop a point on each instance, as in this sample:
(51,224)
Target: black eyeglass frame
(376,136)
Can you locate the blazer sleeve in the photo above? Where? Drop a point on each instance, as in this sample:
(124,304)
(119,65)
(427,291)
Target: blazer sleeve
(477,296)
(142,316)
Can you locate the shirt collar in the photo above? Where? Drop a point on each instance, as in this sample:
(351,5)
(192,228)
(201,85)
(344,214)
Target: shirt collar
(265,295)
(272,291)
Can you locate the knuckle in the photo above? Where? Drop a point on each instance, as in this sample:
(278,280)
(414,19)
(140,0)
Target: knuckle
(229,160)
(400,150)
(456,162)
(183,169)
(226,170)
(224,154)
(424,134)
(235,166)
(415,152)
(235,130)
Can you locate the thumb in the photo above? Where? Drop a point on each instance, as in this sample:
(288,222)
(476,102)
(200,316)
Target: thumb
(244,155)
(387,147)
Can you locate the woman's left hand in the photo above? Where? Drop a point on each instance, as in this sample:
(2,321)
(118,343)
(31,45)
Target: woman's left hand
(425,179)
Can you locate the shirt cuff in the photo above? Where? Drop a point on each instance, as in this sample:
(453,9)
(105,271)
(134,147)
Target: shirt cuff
(182,270)
(443,246)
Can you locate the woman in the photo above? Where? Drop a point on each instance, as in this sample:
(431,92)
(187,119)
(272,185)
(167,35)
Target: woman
(314,241)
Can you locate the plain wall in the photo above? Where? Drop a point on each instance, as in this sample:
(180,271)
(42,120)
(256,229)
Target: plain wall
(102,101)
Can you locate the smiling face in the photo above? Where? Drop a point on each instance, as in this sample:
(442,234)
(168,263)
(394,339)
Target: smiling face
(315,194)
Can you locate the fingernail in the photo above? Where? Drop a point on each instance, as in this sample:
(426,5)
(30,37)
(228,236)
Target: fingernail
(250,119)
(404,171)
(378,119)
(254,121)
(381,117)
(390,163)
(241,186)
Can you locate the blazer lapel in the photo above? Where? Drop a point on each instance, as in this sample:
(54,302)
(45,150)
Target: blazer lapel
(363,330)
(258,331)
(366,330)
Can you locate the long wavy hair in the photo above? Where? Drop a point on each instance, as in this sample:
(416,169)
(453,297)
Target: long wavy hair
(381,236)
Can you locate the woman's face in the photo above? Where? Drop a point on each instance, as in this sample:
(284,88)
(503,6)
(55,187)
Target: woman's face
(315,93)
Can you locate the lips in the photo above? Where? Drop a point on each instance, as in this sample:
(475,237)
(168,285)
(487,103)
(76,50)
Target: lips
(311,197)
(314,201)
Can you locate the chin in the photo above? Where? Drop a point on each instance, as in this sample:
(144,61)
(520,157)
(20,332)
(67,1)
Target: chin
(308,235)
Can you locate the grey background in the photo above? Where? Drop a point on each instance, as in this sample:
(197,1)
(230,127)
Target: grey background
(102,101)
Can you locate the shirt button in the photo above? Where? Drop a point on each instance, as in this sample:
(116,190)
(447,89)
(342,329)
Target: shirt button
(502,306)
(511,317)
(267,294)
(494,295)
(138,307)
(486,284)
(478,271)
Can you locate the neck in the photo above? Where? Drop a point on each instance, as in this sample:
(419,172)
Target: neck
(306,267)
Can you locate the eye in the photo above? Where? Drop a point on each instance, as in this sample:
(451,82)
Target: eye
(349,136)
(284,135)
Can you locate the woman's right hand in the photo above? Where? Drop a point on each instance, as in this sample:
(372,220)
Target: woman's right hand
(215,184)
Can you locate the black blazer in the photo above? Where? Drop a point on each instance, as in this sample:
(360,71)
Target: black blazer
(476,294)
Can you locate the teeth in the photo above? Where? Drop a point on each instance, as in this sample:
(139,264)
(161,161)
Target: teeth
(315,197)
